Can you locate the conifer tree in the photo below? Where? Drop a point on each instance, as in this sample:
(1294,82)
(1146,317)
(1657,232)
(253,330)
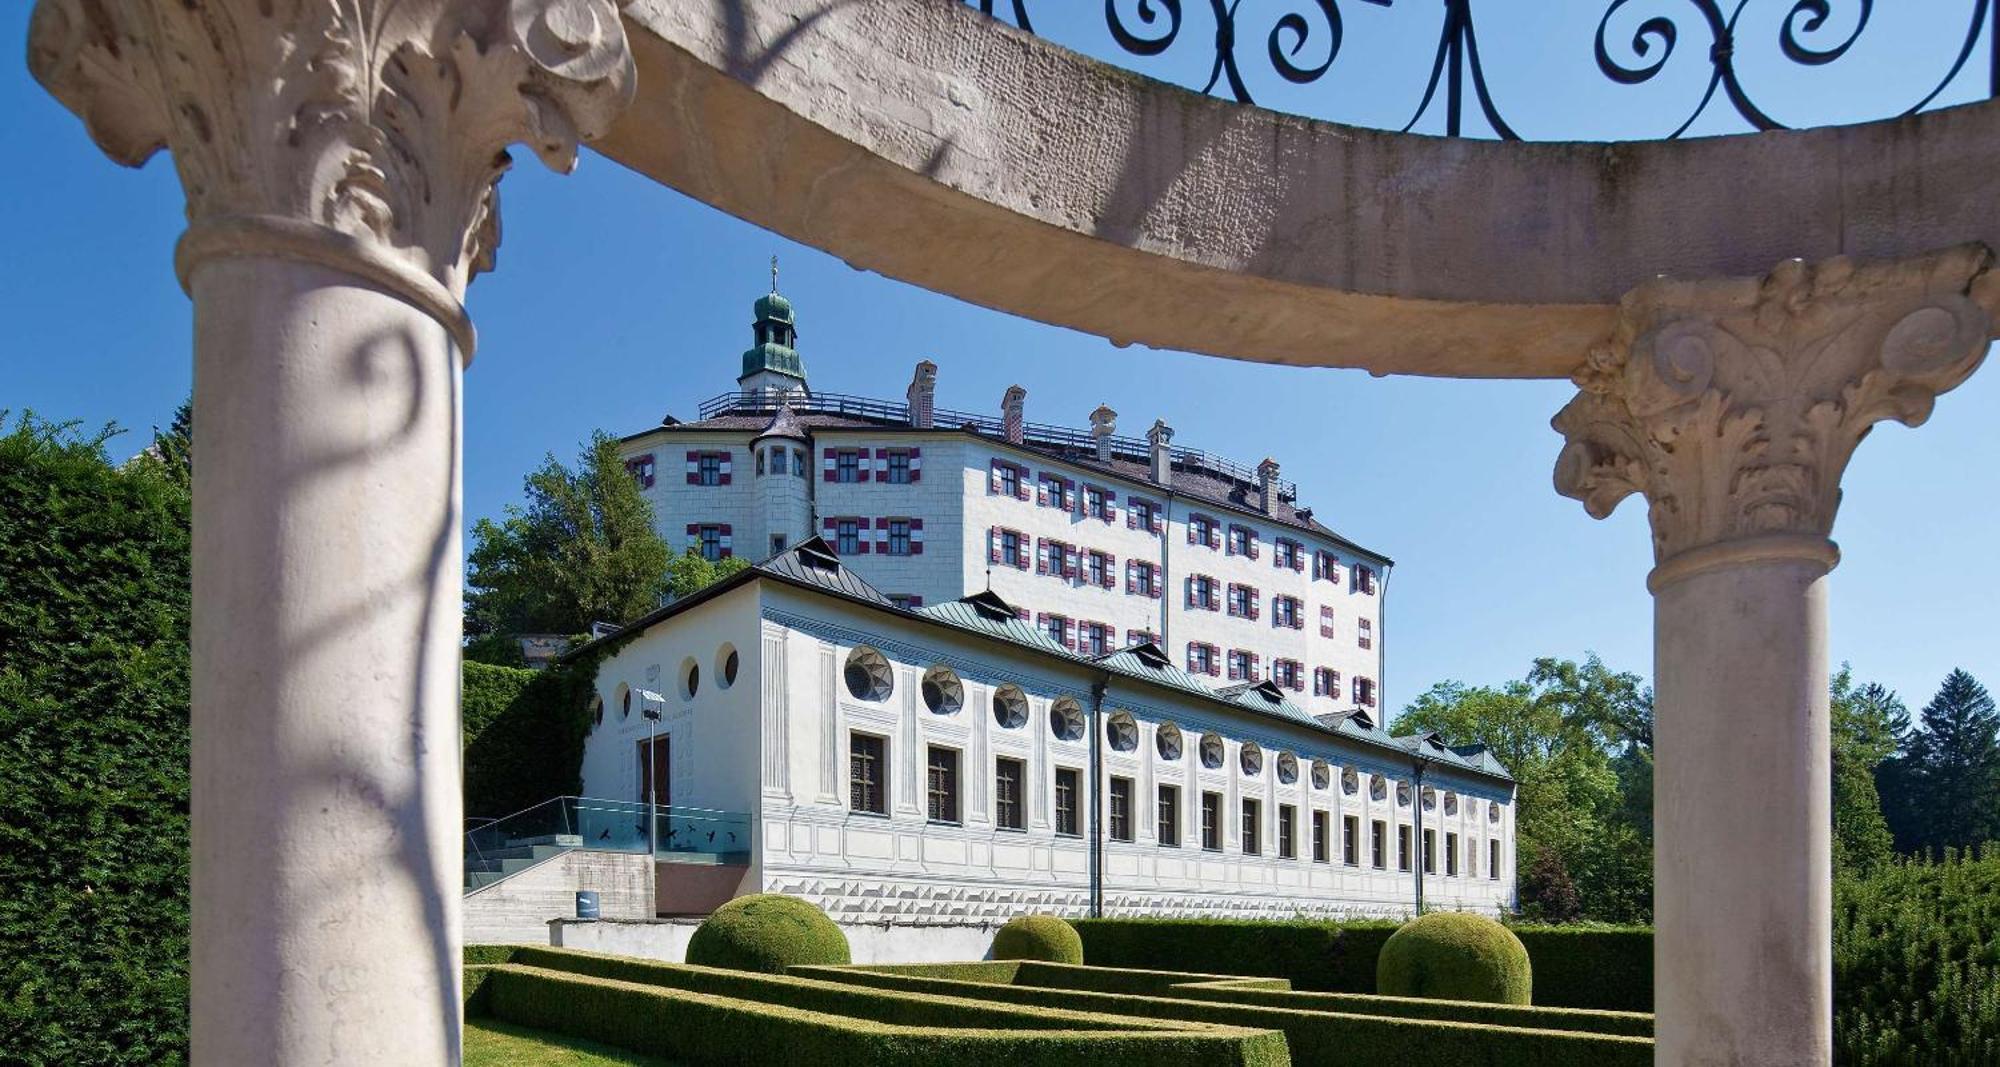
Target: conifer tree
(1943,789)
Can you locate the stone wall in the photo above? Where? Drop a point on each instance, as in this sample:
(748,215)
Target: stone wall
(519,908)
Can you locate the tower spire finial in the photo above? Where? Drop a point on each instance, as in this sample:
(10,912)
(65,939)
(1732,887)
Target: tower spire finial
(774,273)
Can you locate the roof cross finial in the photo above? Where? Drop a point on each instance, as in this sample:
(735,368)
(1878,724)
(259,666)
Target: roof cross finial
(774,273)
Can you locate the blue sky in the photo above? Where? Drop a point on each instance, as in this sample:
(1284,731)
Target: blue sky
(617,301)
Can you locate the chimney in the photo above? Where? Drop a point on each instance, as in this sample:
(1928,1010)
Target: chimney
(1103,423)
(1012,425)
(923,389)
(1267,485)
(1163,461)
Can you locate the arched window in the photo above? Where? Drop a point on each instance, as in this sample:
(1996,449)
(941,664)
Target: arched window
(868,675)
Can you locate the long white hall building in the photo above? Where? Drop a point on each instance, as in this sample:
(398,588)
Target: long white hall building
(951,763)
(1099,540)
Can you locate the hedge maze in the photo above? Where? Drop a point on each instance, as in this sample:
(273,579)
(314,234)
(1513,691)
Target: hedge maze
(1020,1011)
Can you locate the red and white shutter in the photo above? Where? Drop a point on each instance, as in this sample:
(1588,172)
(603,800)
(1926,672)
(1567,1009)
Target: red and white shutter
(882,535)
(724,479)
(1110,571)
(830,461)
(916,464)
(1131,577)
(993,478)
(916,537)
(1069,634)
(1110,506)
(694,534)
(694,468)
(1021,487)
(993,544)
(1255,602)
(726,529)
(1042,492)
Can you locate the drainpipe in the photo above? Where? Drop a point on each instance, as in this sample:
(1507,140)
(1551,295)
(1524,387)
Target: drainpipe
(1382,640)
(1417,802)
(1097,795)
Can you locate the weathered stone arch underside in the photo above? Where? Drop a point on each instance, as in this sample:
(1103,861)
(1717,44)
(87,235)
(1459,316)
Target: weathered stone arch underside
(896,134)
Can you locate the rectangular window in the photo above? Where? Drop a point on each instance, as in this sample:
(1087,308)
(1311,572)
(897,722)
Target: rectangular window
(899,537)
(1320,850)
(711,543)
(1056,627)
(1493,859)
(1201,592)
(1098,571)
(1403,847)
(1288,818)
(1094,638)
(1167,815)
(1055,492)
(1364,633)
(1145,579)
(799,462)
(1242,665)
(1010,481)
(1350,844)
(1097,503)
(1142,514)
(943,785)
(1201,658)
(1285,612)
(1008,774)
(1364,580)
(1211,822)
(1121,809)
(1239,600)
(1252,830)
(1067,783)
(777,543)
(1364,692)
(708,468)
(1201,531)
(1451,855)
(1378,844)
(1285,672)
(1239,541)
(1010,549)
(1430,852)
(778,460)
(641,469)
(867,781)
(847,536)
(847,465)
(898,472)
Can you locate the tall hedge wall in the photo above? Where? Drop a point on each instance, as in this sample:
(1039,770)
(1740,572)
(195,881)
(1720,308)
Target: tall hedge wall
(93,754)
(524,734)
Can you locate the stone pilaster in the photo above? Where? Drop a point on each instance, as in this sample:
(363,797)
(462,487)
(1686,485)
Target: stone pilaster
(1733,406)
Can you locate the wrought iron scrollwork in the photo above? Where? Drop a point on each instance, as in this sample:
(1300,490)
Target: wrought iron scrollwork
(1149,28)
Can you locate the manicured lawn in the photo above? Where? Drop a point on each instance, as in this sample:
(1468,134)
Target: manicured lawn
(490,1043)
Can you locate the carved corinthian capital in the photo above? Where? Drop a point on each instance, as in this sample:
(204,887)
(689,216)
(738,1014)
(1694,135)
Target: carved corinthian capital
(1734,404)
(382,124)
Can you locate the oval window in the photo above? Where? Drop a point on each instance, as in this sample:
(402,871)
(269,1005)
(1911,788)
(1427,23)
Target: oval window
(944,694)
(1121,732)
(1251,759)
(1167,740)
(1010,707)
(868,675)
(727,663)
(1211,752)
(1066,719)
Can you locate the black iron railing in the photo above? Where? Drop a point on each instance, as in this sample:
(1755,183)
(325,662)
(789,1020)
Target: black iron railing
(1081,442)
(1656,28)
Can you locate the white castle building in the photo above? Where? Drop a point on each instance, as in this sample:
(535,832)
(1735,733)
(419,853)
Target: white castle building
(953,763)
(1100,541)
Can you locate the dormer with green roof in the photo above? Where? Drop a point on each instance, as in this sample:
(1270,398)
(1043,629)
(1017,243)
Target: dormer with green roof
(771,362)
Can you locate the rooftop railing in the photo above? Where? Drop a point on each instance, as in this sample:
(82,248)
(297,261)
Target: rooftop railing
(1083,442)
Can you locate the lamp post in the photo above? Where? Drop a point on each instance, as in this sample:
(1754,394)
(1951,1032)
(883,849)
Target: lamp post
(651,707)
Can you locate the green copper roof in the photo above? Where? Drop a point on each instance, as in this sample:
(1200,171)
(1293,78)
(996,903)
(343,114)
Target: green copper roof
(773,306)
(773,357)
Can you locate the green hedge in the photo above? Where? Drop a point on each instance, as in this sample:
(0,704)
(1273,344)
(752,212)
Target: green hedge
(93,752)
(1270,992)
(1038,937)
(1609,968)
(1606,968)
(1916,962)
(523,735)
(1454,955)
(1313,1036)
(767,932)
(1314,955)
(704,1016)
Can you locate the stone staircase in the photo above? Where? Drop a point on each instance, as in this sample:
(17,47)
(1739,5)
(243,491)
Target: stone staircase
(485,866)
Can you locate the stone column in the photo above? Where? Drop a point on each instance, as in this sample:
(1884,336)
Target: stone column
(339,163)
(1733,406)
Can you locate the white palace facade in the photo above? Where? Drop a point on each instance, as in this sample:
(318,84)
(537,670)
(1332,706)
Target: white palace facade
(1099,540)
(952,763)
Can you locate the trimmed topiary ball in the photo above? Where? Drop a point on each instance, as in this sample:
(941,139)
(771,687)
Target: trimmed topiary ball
(1450,955)
(767,932)
(1038,937)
